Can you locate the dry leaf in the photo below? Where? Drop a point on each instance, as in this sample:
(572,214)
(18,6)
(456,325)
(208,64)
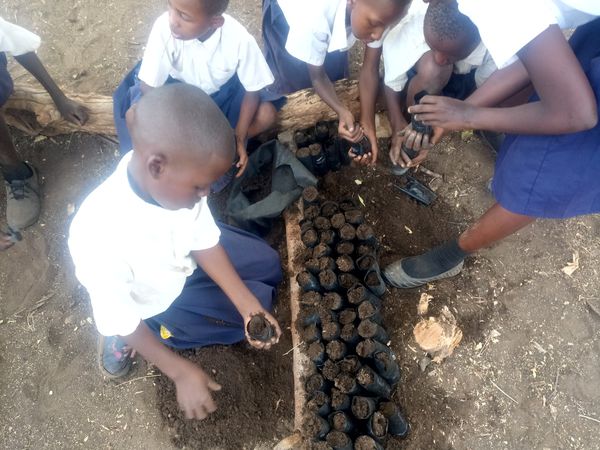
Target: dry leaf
(408,230)
(362,202)
(571,267)
(358,182)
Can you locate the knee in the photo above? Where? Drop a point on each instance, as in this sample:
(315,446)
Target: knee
(431,75)
(266,116)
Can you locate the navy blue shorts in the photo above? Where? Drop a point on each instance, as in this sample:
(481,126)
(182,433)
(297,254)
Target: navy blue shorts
(459,86)
(290,73)
(6,83)
(229,100)
(555,176)
(203,315)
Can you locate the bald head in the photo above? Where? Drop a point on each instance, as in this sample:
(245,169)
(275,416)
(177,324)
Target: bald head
(180,119)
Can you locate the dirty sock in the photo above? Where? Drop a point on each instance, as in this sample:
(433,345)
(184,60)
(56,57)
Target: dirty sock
(436,261)
(19,172)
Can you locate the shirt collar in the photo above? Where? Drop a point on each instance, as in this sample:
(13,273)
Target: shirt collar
(341,39)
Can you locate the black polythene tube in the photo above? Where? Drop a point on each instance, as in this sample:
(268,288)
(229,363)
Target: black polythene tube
(397,424)
(316,353)
(387,367)
(367,329)
(329,209)
(350,364)
(347,384)
(347,280)
(339,441)
(369,310)
(367,442)
(328,280)
(339,400)
(311,333)
(373,383)
(349,334)
(320,403)
(368,348)
(363,407)
(331,331)
(308,282)
(377,426)
(340,421)
(314,384)
(318,425)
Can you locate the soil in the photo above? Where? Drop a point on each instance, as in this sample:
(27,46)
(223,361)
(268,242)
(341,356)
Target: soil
(338,439)
(314,383)
(345,248)
(349,333)
(339,400)
(330,370)
(350,364)
(311,193)
(329,209)
(524,377)
(365,443)
(347,316)
(331,331)
(345,383)
(326,263)
(347,232)
(338,221)
(380,424)
(322,223)
(336,350)
(328,279)
(339,421)
(310,238)
(345,263)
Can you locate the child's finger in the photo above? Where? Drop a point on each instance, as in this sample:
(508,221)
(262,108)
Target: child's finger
(214,386)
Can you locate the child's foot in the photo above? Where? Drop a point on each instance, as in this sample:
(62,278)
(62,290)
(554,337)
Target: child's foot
(444,261)
(113,357)
(23,200)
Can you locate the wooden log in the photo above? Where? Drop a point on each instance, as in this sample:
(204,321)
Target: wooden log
(31,109)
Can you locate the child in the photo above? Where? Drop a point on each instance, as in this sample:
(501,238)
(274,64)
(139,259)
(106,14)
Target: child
(21,179)
(411,66)
(548,167)
(306,45)
(159,271)
(196,43)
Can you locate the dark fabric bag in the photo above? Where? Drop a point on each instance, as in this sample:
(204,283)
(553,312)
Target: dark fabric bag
(289,178)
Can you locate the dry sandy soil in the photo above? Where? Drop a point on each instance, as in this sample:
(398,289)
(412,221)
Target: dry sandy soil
(526,375)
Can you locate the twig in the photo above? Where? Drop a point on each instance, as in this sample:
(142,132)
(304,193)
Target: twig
(589,418)
(292,349)
(41,302)
(508,396)
(555,390)
(138,379)
(426,171)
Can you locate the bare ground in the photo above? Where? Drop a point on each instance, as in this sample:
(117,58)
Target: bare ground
(526,375)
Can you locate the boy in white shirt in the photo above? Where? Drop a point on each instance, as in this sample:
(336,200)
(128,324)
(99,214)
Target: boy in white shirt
(159,271)
(306,44)
(22,184)
(196,43)
(548,165)
(411,66)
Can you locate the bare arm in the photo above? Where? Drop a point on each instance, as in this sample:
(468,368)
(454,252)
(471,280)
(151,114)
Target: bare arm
(368,88)
(325,89)
(193,385)
(247,112)
(567,103)
(217,265)
(70,110)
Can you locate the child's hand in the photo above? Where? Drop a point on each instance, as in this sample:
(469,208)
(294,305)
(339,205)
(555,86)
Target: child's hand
(371,157)
(194,389)
(348,128)
(444,112)
(409,138)
(258,344)
(72,111)
(243,159)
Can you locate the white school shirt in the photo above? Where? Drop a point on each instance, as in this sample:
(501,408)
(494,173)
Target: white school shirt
(208,65)
(317,27)
(17,40)
(405,44)
(509,25)
(134,257)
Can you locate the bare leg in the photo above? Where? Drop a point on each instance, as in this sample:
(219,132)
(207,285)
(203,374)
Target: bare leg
(265,118)
(430,77)
(8,154)
(496,224)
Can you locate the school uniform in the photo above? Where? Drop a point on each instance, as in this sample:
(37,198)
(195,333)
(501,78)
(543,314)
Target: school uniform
(297,33)
(536,175)
(405,44)
(134,259)
(225,66)
(17,41)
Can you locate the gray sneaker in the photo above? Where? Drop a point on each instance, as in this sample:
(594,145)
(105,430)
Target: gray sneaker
(23,201)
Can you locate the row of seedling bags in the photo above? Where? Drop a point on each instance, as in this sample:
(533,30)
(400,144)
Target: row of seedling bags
(354,374)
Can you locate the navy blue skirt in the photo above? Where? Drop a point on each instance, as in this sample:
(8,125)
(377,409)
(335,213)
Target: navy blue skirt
(290,73)
(229,100)
(6,83)
(203,315)
(555,176)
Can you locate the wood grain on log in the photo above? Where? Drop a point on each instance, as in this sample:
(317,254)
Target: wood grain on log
(31,109)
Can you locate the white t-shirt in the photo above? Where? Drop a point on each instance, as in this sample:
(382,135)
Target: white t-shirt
(133,257)
(17,40)
(405,44)
(209,64)
(317,27)
(509,25)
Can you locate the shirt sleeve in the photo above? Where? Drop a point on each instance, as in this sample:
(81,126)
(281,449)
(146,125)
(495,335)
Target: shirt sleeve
(253,71)
(156,64)
(308,44)
(17,40)
(205,233)
(509,25)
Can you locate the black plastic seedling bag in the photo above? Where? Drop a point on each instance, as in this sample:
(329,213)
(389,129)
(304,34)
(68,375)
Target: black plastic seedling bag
(289,178)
